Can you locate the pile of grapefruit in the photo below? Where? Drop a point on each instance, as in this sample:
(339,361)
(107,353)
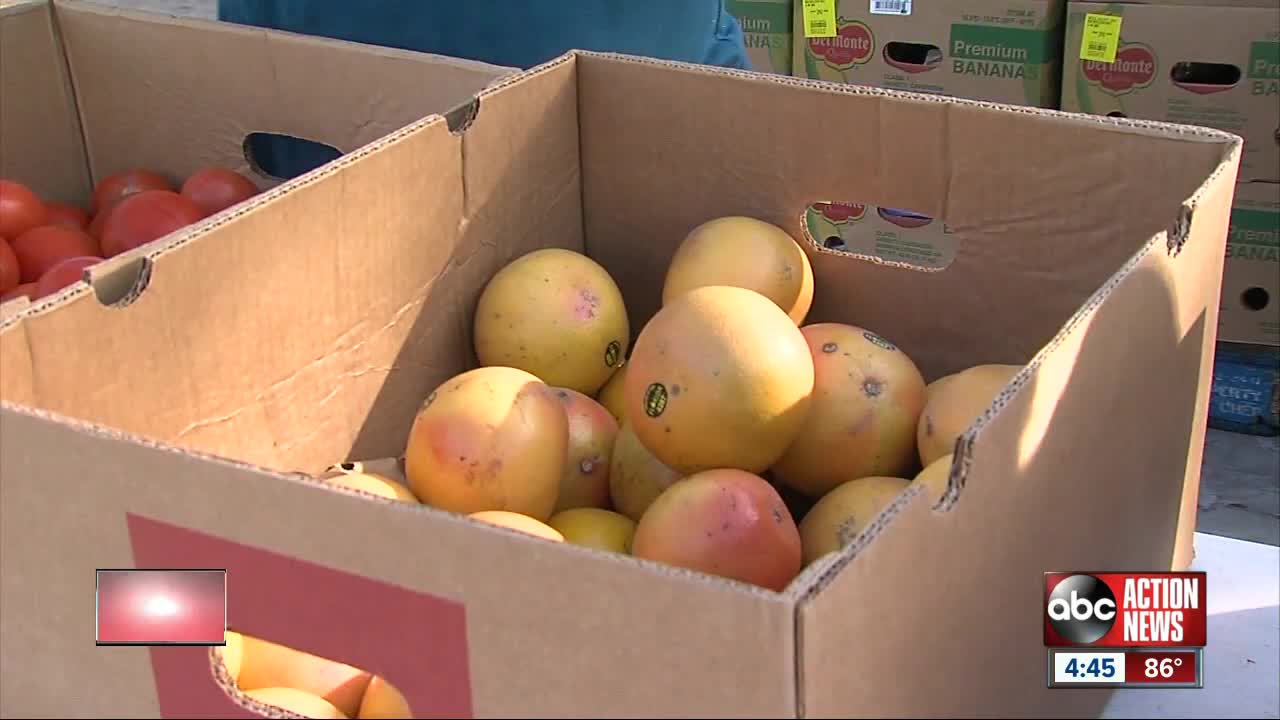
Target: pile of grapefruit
(733,439)
(46,245)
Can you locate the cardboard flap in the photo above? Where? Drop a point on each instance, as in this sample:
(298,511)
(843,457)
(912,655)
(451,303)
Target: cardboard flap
(219,82)
(40,142)
(461,638)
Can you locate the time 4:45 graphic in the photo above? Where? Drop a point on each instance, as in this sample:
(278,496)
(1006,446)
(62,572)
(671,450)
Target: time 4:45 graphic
(1126,668)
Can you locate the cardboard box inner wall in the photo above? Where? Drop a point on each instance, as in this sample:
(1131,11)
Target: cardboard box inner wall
(1250,310)
(1002,51)
(308,327)
(87,90)
(1186,61)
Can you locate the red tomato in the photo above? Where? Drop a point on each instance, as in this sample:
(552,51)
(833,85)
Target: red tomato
(216,189)
(20,209)
(144,217)
(66,215)
(27,290)
(65,273)
(10,275)
(39,249)
(123,184)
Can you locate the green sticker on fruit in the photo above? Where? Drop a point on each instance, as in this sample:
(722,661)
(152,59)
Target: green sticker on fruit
(655,400)
(1101,37)
(819,18)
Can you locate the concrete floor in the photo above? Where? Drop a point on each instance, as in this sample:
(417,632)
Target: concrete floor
(1240,497)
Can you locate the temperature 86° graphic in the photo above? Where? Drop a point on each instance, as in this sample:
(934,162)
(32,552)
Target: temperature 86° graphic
(1125,629)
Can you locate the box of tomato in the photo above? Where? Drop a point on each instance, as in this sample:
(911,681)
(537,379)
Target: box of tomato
(119,128)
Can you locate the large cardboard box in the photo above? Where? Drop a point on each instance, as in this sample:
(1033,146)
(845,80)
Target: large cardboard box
(1005,51)
(1201,62)
(1250,310)
(185,425)
(87,90)
(766,29)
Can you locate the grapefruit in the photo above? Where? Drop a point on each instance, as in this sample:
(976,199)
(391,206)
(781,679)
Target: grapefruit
(719,378)
(595,528)
(492,438)
(747,253)
(264,664)
(723,522)
(585,480)
(612,394)
(955,403)
(296,701)
(518,521)
(936,477)
(383,701)
(232,653)
(636,477)
(375,484)
(842,514)
(556,314)
(867,398)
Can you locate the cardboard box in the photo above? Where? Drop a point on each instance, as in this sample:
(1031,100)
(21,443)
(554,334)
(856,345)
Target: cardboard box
(1005,51)
(1250,310)
(1201,62)
(103,90)
(766,29)
(185,426)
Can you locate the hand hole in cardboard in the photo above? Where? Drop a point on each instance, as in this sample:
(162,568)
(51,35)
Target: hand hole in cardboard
(284,157)
(898,236)
(461,117)
(1116,114)
(1204,78)
(279,676)
(1255,298)
(119,284)
(912,57)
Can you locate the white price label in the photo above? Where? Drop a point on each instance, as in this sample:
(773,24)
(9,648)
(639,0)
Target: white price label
(890,7)
(1093,668)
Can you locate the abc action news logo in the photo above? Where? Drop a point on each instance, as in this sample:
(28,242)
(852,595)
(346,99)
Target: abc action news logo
(1124,609)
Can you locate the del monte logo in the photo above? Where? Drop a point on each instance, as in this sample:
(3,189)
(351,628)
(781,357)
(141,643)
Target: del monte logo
(1134,68)
(853,44)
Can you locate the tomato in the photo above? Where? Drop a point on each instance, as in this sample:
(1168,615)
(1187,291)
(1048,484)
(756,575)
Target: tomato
(20,209)
(216,189)
(144,217)
(123,184)
(27,290)
(67,272)
(10,275)
(39,249)
(60,213)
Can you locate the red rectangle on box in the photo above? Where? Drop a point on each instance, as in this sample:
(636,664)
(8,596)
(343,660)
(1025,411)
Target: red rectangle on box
(1159,609)
(1160,667)
(161,607)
